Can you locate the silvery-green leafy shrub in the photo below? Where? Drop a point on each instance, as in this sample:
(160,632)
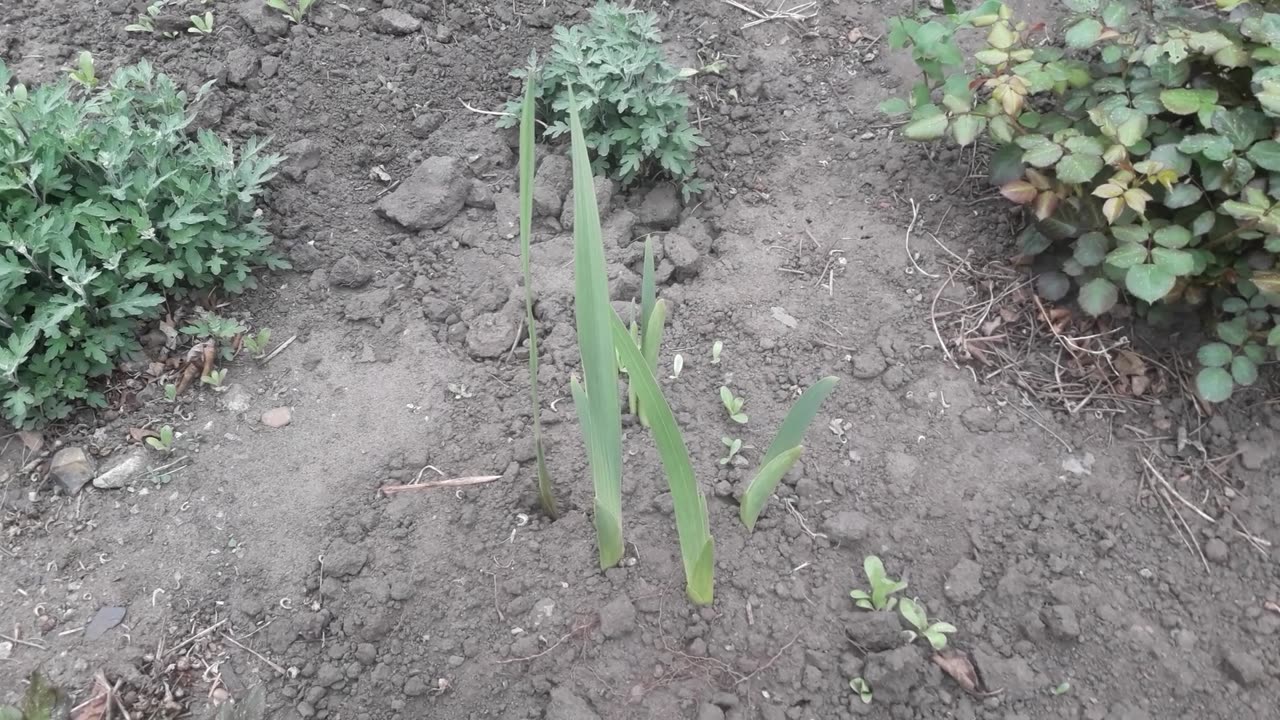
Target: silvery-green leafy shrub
(1145,150)
(108,205)
(634,112)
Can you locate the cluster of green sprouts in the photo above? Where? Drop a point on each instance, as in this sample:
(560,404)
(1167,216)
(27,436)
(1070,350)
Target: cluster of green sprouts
(882,597)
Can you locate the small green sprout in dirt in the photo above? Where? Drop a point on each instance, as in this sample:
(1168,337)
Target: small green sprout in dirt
(734,446)
(632,108)
(1061,688)
(459,391)
(934,632)
(294,11)
(163,440)
(215,378)
(256,343)
(170,392)
(733,404)
(40,702)
(653,320)
(145,23)
(784,451)
(883,587)
(861,687)
(84,72)
(716,348)
(202,24)
(677,366)
(212,326)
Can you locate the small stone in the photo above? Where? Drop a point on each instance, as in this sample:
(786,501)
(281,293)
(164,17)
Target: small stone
(1216,550)
(1062,623)
(367,305)
(430,197)
(366,653)
(415,686)
(1243,667)
(480,196)
(1253,455)
(551,183)
(103,620)
(349,272)
(964,582)
(343,559)
(894,675)
(71,467)
(847,526)
(305,709)
(979,419)
(874,631)
(394,22)
(567,706)
(868,364)
(301,157)
(123,472)
(683,254)
(237,399)
(618,617)
(242,63)
(277,417)
(660,207)
(455,661)
(707,711)
(490,335)
(426,123)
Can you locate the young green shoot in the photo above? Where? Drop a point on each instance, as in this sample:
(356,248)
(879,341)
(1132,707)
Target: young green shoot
(256,343)
(883,587)
(145,23)
(734,446)
(170,392)
(733,405)
(84,72)
(784,451)
(716,348)
(696,546)
(597,403)
(162,440)
(546,498)
(861,687)
(648,330)
(1061,688)
(214,378)
(677,366)
(934,632)
(202,24)
(294,12)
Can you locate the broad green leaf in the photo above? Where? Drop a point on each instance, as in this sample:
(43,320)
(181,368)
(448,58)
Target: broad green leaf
(965,128)
(1085,145)
(1243,370)
(1214,384)
(1149,282)
(1082,6)
(592,312)
(930,127)
(1053,285)
(1132,129)
(895,106)
(792,430)
(1033,242)
(1266,154)
(1098,296)
(1006,165)
(1240,126)
(1214,355)
(1083,34)
(763,485)
(1130,233)
(1176,262)
(1233,332)
(1183,101)
(1182,195)
(1091,249)
(1127,255)
(651,342)
(1172,236)
(1213,147)
(690,503)
(1039,151)
(1077,168)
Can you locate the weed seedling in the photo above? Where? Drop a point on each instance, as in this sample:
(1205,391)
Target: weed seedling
(170,392)
(936,633)
(145,23)
(202,24)
(294,12)
(256,343)
(882,587)
(163,441)
(213,326)
(214,378)
(734,446)
(1061,688)
(733,405)
(861,687)
(716,348)
(84,72)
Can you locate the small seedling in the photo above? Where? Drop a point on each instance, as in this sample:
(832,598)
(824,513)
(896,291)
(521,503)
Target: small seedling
(861,687)
(215,378)
(677,366)
(163,441)
(459,391)
(734,446)
(1061,688)
(256,343)
(202,24)
(214,326)
(294,12)
(882,587)
(170,392)
(936,633)
(733,405)
(716,348)
(84,72)
(145,23)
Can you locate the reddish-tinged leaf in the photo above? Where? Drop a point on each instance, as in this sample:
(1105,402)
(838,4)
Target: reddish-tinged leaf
(1019,191)
(1046,203)
(97,706)
(958,665)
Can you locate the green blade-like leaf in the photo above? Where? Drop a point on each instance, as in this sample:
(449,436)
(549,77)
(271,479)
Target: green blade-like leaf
(764,483)
(545,496)
(648,286)
(791,431)
(592,313)
(690,503)
(649,346)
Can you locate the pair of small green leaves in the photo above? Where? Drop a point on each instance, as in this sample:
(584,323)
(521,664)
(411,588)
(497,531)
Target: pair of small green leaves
(733,405)
(935,633)
(883,587)
(1231,362)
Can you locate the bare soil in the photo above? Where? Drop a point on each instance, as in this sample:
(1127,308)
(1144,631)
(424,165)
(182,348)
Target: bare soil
(1082,586)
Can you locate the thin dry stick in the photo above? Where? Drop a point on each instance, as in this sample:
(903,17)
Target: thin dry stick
(255,653)
(28,643)
(1043,427)
(551,647)
(1175,493)
(195,637)
(451,482)
(796,12)
(494,113)
(772,660)
(906,241)
(280,349)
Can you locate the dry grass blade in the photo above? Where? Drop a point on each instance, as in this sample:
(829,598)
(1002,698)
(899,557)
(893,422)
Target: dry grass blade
(451,482)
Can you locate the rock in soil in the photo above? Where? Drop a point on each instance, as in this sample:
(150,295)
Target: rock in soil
(349,272)
(1062,622)
(344,559)
(893,675)
(874,631)
(394,22)
(1216,550)
(618,617)
(277,417)
(430,197)
(567,706)
(302,156)
(868,364)
(847,526)
(683,254)
(964,582)
(237,400)
(124,471)
(71,467)
(490,335)
(660,207)
(1242,667)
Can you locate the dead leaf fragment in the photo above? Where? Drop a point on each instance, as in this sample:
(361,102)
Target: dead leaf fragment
(958,665)
(97,707)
